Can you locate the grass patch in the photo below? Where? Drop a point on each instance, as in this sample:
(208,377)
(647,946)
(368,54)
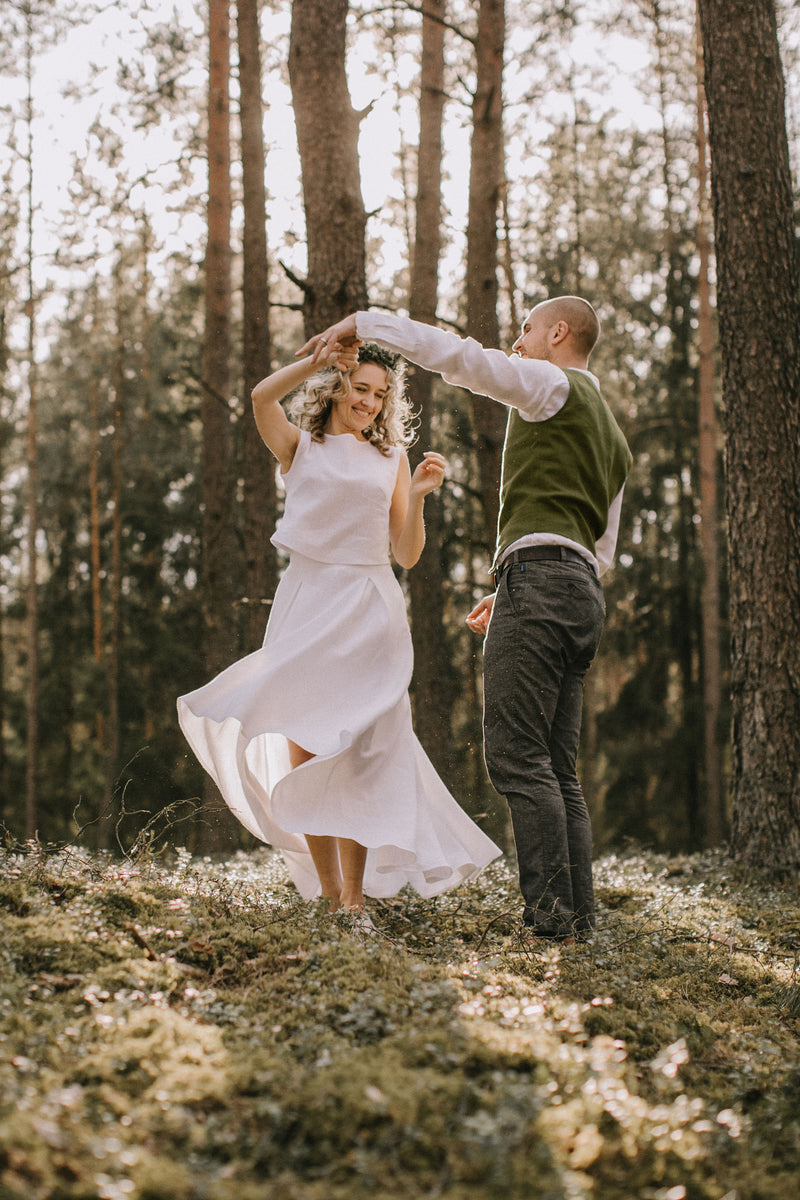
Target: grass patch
(195,1030)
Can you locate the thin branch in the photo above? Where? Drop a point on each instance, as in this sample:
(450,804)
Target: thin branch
(207,388)
(422,11)
(303,284)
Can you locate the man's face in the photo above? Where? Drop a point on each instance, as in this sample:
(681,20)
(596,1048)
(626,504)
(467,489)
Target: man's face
(533,341)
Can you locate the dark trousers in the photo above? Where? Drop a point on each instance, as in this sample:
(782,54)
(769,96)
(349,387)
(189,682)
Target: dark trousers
(544,630)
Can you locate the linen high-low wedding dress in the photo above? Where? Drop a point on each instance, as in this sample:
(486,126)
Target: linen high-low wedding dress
(333,676)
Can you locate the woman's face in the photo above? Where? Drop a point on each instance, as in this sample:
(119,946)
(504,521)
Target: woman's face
(369,389)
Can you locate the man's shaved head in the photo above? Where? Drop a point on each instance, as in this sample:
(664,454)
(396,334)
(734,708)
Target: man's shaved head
(584,325)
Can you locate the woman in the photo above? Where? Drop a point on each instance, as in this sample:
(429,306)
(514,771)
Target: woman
(309,739)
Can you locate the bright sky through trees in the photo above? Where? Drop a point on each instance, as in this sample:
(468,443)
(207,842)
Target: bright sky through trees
(76,85)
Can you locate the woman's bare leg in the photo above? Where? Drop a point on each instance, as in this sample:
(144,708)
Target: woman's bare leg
(353,857)
(297,755)
(325,856)
(324,850)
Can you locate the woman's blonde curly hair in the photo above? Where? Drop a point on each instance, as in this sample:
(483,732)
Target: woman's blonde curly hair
(393,425)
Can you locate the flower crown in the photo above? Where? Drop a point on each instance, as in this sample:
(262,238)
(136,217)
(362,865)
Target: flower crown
(370,353)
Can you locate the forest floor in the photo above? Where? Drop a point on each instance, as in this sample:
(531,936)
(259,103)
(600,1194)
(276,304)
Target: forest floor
(194,1031)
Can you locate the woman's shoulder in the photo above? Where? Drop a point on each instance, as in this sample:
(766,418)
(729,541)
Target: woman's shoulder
(394,453)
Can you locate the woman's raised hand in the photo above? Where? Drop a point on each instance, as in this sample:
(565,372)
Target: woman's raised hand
(346,357)
(429,475)
(333,354)
(342,334)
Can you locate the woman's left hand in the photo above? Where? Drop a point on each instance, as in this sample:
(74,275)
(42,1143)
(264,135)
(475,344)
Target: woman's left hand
(344,358)
(342,334)
(429,475)
(347,357)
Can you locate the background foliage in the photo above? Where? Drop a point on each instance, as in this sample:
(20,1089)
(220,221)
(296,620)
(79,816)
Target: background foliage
(601,198)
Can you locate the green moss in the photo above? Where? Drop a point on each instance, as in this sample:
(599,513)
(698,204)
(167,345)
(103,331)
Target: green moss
(13,899)
(208,1034)
(119,907)
(619,899)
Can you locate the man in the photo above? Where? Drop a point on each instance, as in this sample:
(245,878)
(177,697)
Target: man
(565,461)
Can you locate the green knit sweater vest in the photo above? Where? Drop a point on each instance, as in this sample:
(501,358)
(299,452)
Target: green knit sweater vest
(561,475)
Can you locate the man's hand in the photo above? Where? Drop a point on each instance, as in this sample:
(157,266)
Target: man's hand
(342,334)
(478,619)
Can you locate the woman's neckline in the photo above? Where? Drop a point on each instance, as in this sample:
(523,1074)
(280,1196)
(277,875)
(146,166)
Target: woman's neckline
(346,433)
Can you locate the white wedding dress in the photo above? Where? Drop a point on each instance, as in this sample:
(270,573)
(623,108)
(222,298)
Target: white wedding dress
(333,676)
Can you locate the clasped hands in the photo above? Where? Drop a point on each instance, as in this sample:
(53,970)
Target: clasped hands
(338,342)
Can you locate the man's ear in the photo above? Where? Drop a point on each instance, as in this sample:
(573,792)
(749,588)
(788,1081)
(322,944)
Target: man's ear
(559,331)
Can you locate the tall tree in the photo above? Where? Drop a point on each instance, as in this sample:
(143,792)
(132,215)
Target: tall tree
(759,315)
(29,26)
(98,642)
(32,458)
(218,541)
(673,60)
(709,514)
(486,176)
(434,682)
(8,221)
(261,568)
(217,522)
(112,740)
(327,137)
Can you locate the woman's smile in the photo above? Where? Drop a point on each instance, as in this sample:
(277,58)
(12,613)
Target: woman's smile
(368,391)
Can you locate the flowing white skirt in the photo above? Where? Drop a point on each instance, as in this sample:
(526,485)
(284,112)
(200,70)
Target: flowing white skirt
(333,676)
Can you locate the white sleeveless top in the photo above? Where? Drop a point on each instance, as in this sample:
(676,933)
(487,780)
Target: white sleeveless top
(338,495)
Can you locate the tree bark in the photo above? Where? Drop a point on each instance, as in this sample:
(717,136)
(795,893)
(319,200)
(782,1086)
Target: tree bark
(108,813)
(327,137)
(485,185)
(709,508)
(261,566)
(759,315)
(219,556)
(678,382)
(32,455)
(98,649)
(32,600)
(433,685)
(217,524)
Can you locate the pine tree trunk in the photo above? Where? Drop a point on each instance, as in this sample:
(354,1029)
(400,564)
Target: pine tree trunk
(4,793)
(4,796)
(759,314)
(261,567)
(153,556)
(98,651)
(219,548)
(485,185)
(32,602)
(433,685)
(327,137)
(32,453)
(108,816)
(678,381)
(217,521)
(709,508)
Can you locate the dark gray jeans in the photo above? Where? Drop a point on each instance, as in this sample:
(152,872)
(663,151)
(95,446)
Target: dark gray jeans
(544,630)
